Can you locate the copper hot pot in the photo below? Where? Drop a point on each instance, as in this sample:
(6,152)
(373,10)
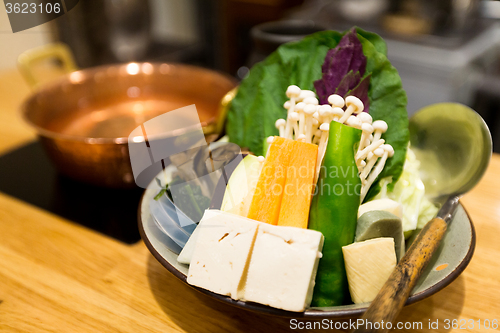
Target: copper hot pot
(84,118)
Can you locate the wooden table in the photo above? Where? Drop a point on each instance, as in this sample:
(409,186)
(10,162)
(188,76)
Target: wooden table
(60,277)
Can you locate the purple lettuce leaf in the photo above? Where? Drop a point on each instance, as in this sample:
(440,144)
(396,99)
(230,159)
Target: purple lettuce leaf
(358,60)
(349,82)
(361,91)
(343,71)
(337,62)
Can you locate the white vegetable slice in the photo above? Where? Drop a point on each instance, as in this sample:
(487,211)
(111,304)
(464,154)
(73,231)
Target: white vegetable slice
(368,266)
(388,205)
(241,186)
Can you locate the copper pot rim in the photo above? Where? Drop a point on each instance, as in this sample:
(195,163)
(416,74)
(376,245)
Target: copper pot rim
(90,72)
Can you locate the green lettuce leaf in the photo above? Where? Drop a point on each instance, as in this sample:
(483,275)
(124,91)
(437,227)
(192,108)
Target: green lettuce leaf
(387,102)
(375,39)
(261,95)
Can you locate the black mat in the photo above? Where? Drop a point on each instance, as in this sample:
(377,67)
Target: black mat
(27,174)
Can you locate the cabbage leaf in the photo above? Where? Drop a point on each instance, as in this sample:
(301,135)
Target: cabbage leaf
(409,191)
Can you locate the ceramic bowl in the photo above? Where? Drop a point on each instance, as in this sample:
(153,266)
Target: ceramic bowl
(451,258)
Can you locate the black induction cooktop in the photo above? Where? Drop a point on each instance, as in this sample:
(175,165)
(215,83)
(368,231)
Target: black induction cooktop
(27,174)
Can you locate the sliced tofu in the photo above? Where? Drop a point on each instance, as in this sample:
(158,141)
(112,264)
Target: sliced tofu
(388,205)
(283,266)
(368,266)
(255,261)
(222,250)
(188,249)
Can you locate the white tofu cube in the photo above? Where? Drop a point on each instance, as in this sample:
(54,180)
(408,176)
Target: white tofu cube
(254,261)
(283,267)
(187,252)
(223,247)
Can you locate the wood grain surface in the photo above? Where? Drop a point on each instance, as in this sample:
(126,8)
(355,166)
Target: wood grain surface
(56,276)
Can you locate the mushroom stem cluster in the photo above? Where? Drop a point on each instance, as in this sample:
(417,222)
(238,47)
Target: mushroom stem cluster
(372,153)
(307,121)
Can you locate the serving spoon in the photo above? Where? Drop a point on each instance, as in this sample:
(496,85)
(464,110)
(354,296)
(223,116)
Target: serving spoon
(453,145)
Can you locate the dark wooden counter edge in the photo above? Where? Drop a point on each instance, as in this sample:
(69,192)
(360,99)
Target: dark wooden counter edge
(313,313)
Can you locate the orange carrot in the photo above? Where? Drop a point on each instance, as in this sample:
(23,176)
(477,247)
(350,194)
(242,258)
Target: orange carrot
(296,201)
(266,202)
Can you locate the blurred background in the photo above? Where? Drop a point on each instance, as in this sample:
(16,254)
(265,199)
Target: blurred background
(445,50)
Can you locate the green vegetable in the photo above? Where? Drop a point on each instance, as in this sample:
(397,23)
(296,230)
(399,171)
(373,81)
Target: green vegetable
(189,198)
(375,39)
(387,102)
(334,212)
(259,102)
(164,190)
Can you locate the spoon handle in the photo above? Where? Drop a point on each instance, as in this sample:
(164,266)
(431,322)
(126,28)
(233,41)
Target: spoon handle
(393,295)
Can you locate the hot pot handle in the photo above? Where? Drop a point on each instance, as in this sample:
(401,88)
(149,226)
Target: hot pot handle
(27,60)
